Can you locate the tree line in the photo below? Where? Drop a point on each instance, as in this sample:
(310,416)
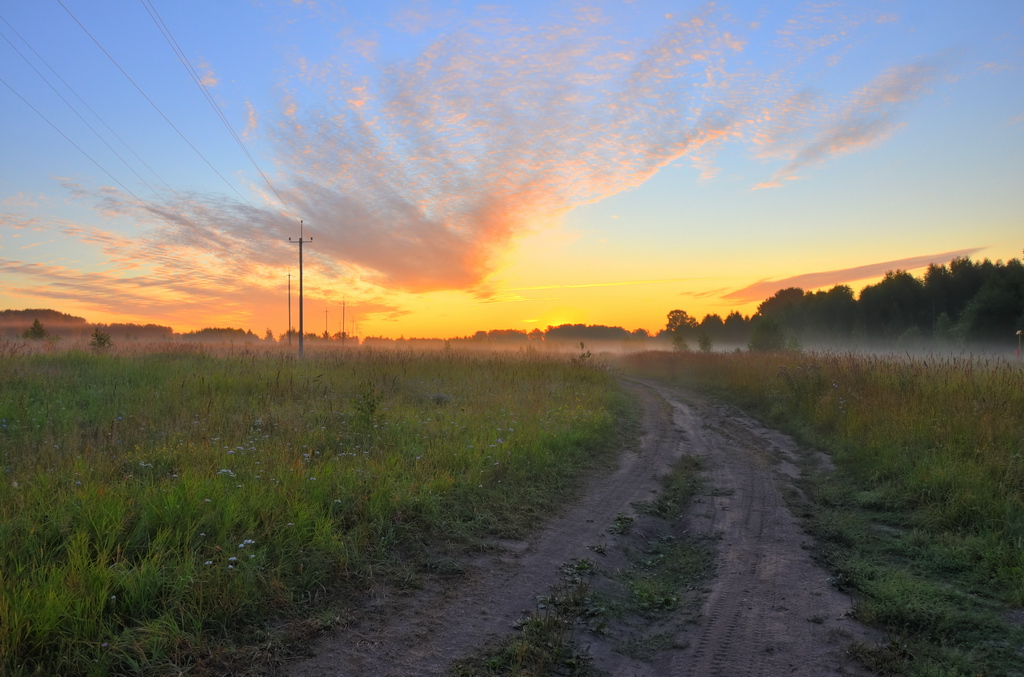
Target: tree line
(964,302)
(961,303)
(47,323)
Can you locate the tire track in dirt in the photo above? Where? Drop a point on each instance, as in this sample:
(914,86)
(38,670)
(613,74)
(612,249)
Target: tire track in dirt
(422,635)
(769,610)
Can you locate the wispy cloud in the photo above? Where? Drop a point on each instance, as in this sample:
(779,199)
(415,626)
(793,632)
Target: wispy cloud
(417,16)
(765,288)
(20,200)
(415,175)
(627,283)
(705,294)
(208,78)
(184,293)
(809,130)
(417,180)
(251,122)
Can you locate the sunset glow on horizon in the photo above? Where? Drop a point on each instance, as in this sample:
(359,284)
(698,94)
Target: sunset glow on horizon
(465,167)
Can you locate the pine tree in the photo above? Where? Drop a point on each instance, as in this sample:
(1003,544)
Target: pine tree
(36,331)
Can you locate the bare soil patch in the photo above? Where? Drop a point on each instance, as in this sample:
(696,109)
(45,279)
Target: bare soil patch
(768,609)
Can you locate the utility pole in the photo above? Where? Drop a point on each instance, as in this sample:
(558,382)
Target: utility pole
(343,323)
(327,328)
(300,242)
(289,308)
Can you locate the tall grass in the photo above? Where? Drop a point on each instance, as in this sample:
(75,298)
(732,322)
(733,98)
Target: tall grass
(157,504)
(940,440)
(923,520)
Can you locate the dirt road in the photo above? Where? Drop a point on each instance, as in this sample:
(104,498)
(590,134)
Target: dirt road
(767,609)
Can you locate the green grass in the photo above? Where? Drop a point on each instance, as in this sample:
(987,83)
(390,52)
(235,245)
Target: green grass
(923,521)
(161,510)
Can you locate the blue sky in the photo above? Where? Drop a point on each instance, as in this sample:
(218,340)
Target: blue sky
(464,166)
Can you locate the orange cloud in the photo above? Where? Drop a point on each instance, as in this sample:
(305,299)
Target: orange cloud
(251,121)
(209,77)
(417,181)
(416,177)
(186,294)
(808,281)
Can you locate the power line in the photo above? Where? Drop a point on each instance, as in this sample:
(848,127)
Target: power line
(96,115)
(91,158)
(190,69)
(81,117)
(153,104)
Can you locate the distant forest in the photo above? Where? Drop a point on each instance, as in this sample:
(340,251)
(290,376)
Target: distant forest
(15,324)
(958,304)
(962,303)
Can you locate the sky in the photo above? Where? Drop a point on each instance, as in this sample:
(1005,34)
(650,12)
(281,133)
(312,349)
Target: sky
(458,166)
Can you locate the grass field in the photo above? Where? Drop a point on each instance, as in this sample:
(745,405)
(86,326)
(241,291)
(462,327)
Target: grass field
(162,509)
(924,520)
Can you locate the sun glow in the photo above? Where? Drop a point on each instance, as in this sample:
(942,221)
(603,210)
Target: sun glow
(481,164)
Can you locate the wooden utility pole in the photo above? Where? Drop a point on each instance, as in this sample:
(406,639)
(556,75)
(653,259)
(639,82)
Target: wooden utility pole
(300,242)
(289,308)
(343,323)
